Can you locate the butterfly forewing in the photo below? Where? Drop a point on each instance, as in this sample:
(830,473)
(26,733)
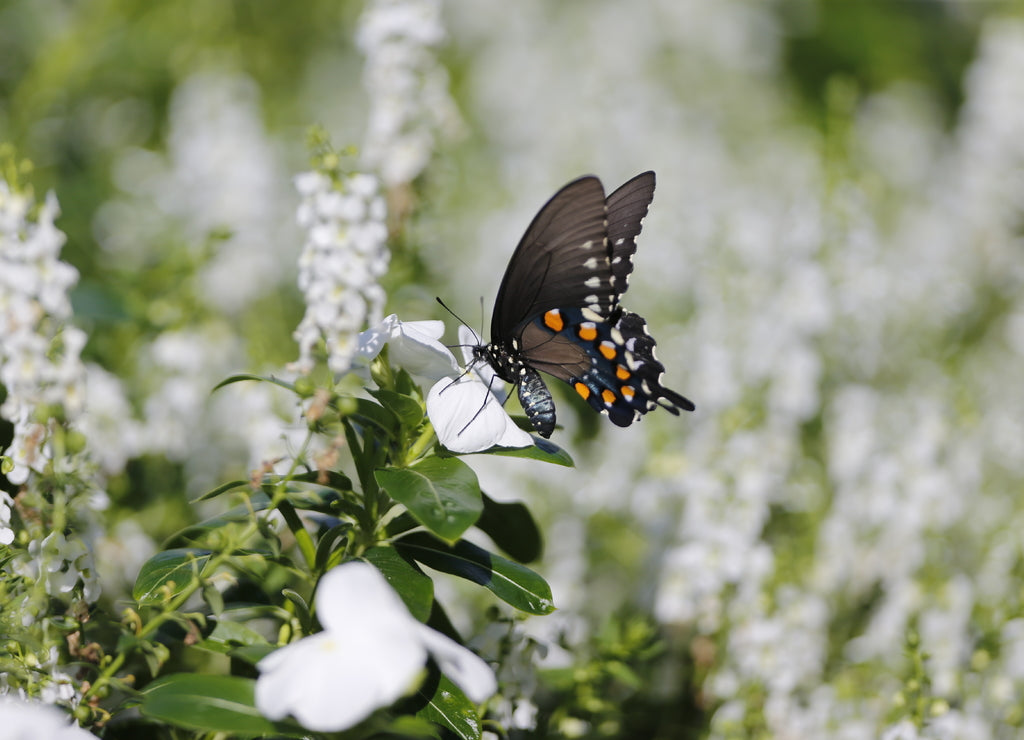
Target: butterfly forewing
(627,208)
(547,269)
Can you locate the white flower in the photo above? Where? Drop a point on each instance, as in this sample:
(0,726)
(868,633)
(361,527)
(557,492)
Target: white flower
(468,412)
(467,416)
(371,653)
(28,720)
(344,256)
(465,410)
(413,345)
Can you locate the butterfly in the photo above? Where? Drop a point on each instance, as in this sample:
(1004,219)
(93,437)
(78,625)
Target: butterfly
(558,308)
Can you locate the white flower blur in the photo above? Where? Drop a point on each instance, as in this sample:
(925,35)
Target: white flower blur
(371,653)
(220,175)
(408,88)
(344,256)
(22,719)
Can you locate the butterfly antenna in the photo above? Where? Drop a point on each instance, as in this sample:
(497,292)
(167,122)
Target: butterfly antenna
(457,318)
(481,333)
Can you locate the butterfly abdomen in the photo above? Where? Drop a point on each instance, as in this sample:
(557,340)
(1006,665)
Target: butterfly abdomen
(537,402)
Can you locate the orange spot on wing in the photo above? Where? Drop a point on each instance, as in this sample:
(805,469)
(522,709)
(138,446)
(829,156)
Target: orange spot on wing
(588,332)
(608,350)
(621,372)
(627,392)
(582,390)
(608,396)
(553,320)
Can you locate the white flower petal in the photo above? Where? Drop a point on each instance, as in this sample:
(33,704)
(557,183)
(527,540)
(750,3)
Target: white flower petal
(417,348)
(372,341)
(328,683)
(368,656)
(355,595)
(468,418)
(461,665)
(414,345)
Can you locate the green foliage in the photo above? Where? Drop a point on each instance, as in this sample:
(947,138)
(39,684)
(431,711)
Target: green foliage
(409,505)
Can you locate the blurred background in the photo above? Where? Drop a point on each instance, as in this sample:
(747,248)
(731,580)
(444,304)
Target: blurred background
(830,546)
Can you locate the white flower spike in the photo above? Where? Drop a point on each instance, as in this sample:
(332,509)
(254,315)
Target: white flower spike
(371,653)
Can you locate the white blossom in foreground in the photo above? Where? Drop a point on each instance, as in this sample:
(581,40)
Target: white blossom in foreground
(408,89)
(466,413)
(371,653)
(344,256)
(30,720)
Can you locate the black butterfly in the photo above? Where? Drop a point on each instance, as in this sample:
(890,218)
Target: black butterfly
(558,308)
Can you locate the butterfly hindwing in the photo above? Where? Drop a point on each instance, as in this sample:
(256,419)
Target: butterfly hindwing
(610,364)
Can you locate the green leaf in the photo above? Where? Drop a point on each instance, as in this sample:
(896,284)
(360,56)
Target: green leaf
(228,635)
(512,528)
(415,588)
(372,414)
(543,449)
(323,500)
(326,478)
(325,545)
(210,703)
(221,489)
(450,708)
(240,377)
(179,566)
(511,582)
(441,493)
(408,410)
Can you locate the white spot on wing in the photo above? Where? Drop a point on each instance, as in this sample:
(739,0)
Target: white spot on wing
(592,282)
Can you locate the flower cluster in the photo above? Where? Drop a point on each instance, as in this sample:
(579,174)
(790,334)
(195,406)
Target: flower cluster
(39,355)
(344,256)
(59,494)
